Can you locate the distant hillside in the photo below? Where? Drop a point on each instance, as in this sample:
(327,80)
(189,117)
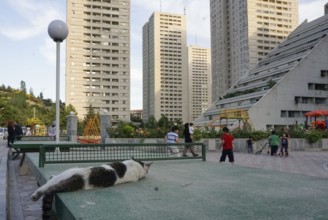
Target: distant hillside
(19,106)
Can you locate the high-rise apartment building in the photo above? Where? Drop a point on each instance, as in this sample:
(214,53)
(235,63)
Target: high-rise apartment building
(165,71)
(98,57)
(199,80)
(242,33)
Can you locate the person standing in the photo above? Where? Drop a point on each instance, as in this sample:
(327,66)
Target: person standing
(172,138)
(274,142)
(11,133)
(250,145)
(188,139)
(227,146)
(52,131)
(18,131)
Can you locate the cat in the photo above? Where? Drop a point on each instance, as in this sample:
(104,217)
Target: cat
(89,178)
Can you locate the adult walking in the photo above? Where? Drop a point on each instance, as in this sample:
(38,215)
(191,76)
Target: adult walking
(188,140)
(227,146)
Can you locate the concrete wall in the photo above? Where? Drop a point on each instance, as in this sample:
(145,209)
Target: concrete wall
(295,83)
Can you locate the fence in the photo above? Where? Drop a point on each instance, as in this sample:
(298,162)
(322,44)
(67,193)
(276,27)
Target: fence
(86,153)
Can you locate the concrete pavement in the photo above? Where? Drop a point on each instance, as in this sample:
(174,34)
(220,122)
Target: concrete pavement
(304,163)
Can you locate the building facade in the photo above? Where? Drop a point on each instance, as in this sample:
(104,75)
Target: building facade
(165,71)
(289,82)
(199,80)
(243,32)
(98,57)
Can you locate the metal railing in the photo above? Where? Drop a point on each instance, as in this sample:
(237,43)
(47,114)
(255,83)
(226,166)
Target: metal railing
(86,153)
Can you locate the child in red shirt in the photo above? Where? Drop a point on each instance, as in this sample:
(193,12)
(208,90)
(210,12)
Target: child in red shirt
(227,146)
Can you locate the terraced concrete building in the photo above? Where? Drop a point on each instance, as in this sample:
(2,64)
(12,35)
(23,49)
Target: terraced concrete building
(290,81)
(243,33)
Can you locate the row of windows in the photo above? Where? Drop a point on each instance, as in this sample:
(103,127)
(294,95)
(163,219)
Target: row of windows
(274,19)
(310,100)
(292,114)
(105,94)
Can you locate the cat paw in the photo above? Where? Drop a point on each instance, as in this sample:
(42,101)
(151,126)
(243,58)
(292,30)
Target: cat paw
(35,197)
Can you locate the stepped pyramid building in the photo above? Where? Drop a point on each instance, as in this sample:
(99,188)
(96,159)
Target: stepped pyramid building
(290,81)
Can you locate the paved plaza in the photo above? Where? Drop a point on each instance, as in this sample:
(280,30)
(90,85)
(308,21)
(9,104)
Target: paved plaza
(272,177)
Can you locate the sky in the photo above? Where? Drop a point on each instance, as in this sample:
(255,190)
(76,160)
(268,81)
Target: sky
(28,54)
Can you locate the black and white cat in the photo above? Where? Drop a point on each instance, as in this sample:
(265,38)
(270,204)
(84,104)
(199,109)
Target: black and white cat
(89,178)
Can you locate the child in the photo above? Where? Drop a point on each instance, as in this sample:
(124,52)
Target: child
(227,146)
(250,145)
(171,138)
(191,131)
(284,145)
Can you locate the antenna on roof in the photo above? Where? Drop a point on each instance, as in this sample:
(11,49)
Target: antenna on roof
(160,5)
(195,39)
(184,10)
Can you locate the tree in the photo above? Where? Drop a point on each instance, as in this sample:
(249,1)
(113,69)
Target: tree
(31,92)
(41,95)
(164,123)
(23,86)
(151,122)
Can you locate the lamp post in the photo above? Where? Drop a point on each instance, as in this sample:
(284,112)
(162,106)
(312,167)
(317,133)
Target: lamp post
(58,31)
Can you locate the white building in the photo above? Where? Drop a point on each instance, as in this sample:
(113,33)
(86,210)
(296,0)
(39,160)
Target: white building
(98,57)
(244,32)
(165,71)
(199,81)
(290,81)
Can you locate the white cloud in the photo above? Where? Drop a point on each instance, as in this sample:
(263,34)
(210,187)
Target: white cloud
(48,50)
(311,10)
(34,17)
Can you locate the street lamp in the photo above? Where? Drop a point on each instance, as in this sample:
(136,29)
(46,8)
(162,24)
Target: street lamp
(58,31)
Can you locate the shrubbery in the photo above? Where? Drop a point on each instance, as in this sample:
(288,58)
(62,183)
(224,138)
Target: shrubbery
(158,129)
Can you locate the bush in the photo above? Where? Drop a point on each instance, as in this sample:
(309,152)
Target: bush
(313,136)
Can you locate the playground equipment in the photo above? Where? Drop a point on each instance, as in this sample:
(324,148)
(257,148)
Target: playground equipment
(91,133)
(240,114)
(317,114)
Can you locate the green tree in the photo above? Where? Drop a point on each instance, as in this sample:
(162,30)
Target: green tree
(31,92)
(151,122)
(23,86)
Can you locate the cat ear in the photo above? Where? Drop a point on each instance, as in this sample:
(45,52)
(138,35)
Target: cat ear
(146,166)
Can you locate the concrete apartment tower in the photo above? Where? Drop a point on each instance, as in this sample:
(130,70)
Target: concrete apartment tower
(199,81)
(243,33)
(98,57)
(165,74)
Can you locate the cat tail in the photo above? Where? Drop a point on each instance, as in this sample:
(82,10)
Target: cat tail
(47,206)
